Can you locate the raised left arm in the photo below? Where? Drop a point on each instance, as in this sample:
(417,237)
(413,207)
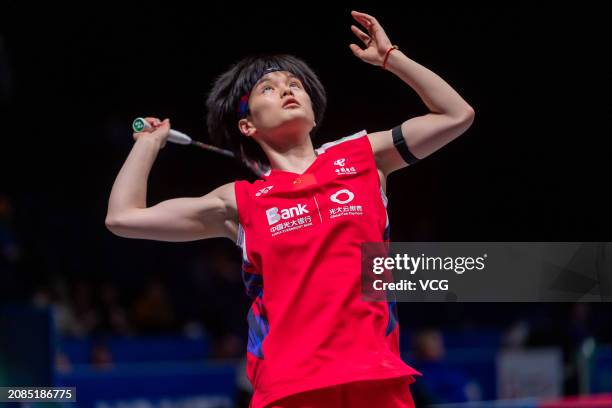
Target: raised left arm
(449,116)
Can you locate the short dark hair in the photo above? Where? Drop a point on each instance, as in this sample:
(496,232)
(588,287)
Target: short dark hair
(224,98)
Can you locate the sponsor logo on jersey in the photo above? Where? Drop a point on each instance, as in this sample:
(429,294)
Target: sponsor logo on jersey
(343,196)
(263,191)
(343,168)
(275,215)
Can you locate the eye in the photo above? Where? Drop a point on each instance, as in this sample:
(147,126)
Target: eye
(266,87)
(296,84)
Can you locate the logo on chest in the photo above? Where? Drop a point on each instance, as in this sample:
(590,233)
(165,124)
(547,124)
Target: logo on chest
(343,168)
(288,219)
(263,191)
(344,196)
(274,215)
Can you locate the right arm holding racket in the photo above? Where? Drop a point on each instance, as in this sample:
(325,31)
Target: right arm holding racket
(179,219)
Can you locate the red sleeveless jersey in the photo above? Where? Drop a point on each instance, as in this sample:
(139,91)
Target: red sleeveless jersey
(300,236)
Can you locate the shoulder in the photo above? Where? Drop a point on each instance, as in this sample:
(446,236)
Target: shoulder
(227,196)
(344,142)
(225,192)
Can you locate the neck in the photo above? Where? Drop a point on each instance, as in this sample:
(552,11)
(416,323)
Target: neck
(295,155)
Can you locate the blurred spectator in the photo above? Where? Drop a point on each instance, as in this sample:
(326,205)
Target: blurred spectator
(579,329)
(62,362)
(567,326)
(101,358)
(84,309)
(580,325)
(152,310)
(440,383)
(113,316)
(223,302)
(515,337)
(228,346)
(56,296)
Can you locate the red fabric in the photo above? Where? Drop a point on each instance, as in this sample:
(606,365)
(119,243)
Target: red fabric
(394,393)
(308,326)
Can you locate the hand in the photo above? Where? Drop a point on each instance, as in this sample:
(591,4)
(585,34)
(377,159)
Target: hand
(376,41)
(159,131)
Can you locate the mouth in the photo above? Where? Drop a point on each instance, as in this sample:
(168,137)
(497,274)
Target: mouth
(290,103)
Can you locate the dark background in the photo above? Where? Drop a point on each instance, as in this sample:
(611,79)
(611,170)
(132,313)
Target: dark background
(534,166)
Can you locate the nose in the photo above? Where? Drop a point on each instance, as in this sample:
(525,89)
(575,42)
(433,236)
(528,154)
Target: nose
(286,90)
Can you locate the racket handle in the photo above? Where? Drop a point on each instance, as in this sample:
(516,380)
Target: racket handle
(174,136)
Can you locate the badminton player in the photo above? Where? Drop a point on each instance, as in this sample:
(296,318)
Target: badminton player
(312,341)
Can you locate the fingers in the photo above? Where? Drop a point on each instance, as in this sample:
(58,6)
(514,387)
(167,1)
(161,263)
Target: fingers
(364,19)
(363,16)
(369,22)
(361,35)
(358,52)
(363,23)
(153,121)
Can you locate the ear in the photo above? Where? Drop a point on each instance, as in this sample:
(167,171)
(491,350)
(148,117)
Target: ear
(246,127)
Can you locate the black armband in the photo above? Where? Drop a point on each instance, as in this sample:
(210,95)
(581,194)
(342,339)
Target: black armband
(400,144)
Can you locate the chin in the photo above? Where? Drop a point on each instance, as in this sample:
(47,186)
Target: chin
(295,116)
(296,123)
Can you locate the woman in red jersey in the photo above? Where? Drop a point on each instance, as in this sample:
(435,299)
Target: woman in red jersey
(313,341)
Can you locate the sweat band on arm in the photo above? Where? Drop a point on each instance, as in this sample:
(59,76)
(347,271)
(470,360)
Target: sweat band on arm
(400,144)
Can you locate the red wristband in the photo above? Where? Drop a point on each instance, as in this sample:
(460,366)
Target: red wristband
(394,47)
